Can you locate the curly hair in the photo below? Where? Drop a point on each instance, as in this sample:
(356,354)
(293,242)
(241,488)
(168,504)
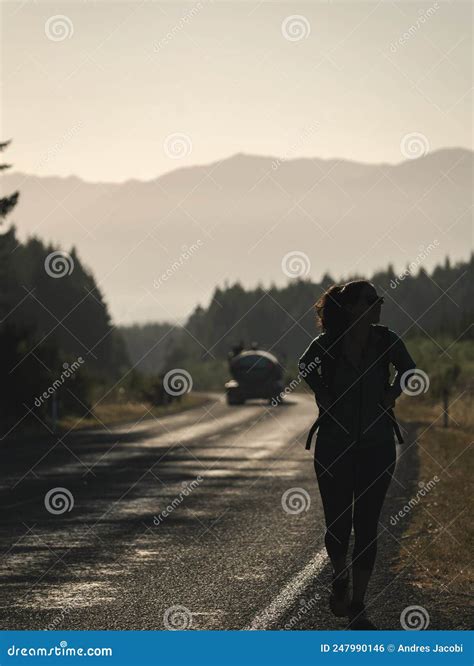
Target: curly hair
(333,317)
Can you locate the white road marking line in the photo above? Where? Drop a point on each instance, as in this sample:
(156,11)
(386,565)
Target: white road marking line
(280,605)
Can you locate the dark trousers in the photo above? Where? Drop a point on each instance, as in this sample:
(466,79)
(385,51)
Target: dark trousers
(356,480)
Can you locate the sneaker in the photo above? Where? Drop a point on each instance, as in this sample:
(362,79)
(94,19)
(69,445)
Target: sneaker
(358,617)
(339,597)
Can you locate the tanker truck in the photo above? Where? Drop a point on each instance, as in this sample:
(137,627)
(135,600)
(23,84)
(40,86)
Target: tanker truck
(256,374)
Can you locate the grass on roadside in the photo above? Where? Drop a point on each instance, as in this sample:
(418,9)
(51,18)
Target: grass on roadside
(110,414)
(440,534)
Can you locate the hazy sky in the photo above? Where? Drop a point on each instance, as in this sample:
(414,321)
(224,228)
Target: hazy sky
(96,88)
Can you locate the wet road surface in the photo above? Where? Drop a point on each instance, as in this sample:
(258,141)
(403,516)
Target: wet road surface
(177,522)
(208,519)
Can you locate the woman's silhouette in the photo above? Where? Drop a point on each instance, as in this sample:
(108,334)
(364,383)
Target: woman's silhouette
(347,367)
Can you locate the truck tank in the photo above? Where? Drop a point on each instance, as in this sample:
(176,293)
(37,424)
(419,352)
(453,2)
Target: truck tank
(255,367)
(256,374)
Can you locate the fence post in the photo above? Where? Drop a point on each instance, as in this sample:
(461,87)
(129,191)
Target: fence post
(445,407)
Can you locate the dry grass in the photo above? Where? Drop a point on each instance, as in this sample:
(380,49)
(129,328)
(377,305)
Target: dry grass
(439,534)
(460,410)
(110,414)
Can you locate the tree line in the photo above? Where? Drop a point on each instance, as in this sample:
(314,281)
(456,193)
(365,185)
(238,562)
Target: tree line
(61,353)
(283,319)
(54,325)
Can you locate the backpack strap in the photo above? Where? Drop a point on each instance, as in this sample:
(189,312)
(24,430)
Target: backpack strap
(329,356)
(396,427)
(383,348)
(311,432)
(328,363)
(384,351)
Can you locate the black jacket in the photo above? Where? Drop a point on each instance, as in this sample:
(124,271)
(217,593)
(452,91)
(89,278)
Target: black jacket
(355,414)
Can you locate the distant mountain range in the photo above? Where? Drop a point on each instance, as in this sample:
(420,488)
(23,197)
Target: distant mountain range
(237,219)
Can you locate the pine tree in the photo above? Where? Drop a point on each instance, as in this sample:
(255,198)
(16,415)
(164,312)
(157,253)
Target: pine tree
(7,204)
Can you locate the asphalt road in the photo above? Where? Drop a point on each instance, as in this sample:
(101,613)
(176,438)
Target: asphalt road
(208,519)
(216,559)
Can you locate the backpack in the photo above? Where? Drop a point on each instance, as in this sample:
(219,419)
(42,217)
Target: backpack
(328,362)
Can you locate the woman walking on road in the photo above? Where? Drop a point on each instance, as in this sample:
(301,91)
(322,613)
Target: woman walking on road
(348,368)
